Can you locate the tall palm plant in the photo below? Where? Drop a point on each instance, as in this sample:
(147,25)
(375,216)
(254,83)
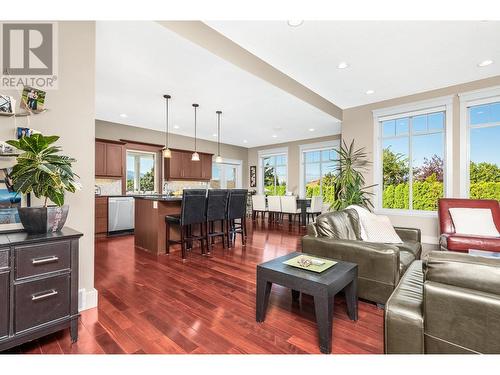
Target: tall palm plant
(349,184)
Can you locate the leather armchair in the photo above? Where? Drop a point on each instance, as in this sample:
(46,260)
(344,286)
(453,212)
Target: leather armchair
(449,303)
(449,240)
(337,235)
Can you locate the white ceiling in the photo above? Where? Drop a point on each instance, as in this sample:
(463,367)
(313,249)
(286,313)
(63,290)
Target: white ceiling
(138,62)
(394,58)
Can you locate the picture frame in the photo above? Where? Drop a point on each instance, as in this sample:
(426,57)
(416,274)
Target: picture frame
(7,105)
(33,99)
(10,201)
(253,176)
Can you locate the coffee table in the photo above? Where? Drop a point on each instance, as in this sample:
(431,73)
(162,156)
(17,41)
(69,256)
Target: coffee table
(322,286)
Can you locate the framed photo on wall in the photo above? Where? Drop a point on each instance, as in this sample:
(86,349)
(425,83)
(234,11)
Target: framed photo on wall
(253,176)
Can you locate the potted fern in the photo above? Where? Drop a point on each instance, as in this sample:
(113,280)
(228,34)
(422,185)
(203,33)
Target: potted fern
(41,171)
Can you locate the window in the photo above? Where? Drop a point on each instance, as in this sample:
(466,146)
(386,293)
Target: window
(226,175)
(317,171)
(274,174)
(141,171)
(484,157)
(412,158)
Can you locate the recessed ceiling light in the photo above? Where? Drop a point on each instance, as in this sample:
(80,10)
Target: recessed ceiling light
(295,23)
(369,92)
(245,141)
(123,115)
(176,126)
(485,63)
(214,135)
(311,129)
(342,65)
(274,136)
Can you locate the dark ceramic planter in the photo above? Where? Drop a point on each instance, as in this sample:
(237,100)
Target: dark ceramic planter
(40,220)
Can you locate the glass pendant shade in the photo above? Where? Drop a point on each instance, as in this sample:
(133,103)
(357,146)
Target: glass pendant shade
(167,153)
(195,156)
(218,159)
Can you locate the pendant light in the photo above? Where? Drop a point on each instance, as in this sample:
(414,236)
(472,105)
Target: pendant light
(218,159)
(195,156)
(166,151)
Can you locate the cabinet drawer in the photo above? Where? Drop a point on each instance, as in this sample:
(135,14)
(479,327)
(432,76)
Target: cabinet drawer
(41,301)
(4,259)
(4,303)
(32,260)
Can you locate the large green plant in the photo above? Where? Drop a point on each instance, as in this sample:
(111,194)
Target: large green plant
(41,171)
(349,184)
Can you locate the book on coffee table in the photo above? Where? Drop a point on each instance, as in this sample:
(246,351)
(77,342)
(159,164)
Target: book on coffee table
(310,263)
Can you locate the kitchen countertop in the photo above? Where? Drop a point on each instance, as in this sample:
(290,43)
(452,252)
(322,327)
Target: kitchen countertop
(165,198)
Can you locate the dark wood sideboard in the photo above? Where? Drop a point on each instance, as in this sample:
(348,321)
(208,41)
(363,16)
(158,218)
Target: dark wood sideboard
(38,285)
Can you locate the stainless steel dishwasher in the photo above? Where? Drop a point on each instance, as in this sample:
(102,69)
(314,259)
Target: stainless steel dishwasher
(120,214)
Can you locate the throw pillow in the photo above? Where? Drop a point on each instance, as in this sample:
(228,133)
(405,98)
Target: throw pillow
(474,221)
(379,229)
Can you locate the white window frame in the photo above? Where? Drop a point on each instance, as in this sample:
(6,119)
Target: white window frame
(308,147)
(264,154)
(470,99)
(441,104)
(155,182)
(233,162)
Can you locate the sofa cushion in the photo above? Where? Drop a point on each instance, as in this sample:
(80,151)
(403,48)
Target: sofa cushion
(404,321)
(456,242)
(405,259)
(341,225)
(413,247)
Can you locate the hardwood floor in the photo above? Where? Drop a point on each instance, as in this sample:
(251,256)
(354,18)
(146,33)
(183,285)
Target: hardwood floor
(158,304)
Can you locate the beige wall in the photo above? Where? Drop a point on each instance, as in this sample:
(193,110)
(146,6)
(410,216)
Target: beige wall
(112,130)
(72,118)
(358,125)
(293,159)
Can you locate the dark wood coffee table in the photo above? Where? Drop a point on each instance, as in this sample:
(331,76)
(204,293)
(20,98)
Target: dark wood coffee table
(322,286)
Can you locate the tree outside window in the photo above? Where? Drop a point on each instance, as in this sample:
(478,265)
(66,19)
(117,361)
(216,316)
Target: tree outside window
(140,171)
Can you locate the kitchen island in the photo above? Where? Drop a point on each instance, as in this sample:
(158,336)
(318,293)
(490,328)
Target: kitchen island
(150,226)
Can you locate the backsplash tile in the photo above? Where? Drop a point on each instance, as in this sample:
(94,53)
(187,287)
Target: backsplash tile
(109,186)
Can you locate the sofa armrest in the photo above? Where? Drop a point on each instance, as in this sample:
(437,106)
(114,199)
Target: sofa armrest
(376,261)
(464,271)
(409,234)
(311,230)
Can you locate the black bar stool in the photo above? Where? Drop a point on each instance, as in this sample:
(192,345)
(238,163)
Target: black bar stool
(217,201)
(193,212)
(236,210)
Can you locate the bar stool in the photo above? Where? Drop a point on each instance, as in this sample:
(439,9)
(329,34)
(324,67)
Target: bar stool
(258,206)
(217,201)
(236,210)
(274,207)
(193,212)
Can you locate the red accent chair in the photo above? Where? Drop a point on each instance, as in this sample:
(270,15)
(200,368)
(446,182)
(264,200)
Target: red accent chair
(449,240)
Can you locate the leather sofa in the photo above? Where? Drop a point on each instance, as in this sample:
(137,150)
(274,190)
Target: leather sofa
(380,266)
(449,240)
(449,303)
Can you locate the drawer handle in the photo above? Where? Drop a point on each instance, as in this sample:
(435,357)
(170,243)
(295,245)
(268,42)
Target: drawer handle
(45,260)
(53,292)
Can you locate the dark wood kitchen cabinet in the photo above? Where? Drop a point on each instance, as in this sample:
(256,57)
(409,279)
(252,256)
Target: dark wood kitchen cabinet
(38,286)
(181,167)
(101,215)
(109,158)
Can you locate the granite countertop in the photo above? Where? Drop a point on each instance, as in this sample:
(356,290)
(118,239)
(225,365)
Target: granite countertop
(165,198)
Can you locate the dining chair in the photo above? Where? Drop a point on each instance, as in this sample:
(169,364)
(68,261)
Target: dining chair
(316,207)
(193,212)
(289,207)
(274,208)
(259,206)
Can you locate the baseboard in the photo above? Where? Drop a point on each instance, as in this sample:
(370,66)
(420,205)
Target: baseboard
(87,299)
